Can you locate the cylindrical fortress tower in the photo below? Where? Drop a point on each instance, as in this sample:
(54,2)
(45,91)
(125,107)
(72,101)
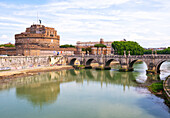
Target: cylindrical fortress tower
(36,37)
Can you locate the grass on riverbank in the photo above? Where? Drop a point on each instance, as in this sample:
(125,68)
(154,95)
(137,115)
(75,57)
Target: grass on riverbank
(156,87)
(81,66)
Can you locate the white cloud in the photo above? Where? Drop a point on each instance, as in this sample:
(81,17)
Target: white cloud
(110,19)
(15,19)
(13,6)
(97,3)
(4,37)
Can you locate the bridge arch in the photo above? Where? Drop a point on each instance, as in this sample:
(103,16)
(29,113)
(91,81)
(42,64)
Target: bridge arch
(159,65)
(72,61)
(134,61)
(89,61)
(108,62)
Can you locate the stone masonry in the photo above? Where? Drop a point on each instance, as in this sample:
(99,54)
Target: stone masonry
(153,62)
(22,62)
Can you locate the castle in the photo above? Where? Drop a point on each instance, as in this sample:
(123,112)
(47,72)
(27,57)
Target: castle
(37,40)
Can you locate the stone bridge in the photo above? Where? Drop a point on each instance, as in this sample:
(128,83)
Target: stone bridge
(153,62)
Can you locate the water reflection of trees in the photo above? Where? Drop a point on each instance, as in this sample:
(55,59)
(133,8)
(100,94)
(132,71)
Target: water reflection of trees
(111,77)
(108,77)
(39,94)
(38,89)
(44,88)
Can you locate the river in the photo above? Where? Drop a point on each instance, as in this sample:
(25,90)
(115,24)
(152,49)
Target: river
(83,94)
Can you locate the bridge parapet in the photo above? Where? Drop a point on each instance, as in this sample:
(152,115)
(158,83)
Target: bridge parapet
(153,62)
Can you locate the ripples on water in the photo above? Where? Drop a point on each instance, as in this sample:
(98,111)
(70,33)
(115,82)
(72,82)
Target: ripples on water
(83,94)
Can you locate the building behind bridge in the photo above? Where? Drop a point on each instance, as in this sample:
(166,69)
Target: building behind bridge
(108,50)
(84,45)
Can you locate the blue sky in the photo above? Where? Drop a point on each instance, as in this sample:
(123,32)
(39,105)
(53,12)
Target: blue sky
(144,21)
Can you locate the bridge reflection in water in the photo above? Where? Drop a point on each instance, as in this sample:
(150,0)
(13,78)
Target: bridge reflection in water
(44,89)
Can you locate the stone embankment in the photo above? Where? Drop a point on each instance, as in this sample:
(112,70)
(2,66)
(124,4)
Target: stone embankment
(166,86)
(30,71)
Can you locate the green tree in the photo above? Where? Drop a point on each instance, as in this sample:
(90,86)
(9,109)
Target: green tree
(165,51)
(7,45)
(67,46)
(133,47)
(87,49)
(147,51)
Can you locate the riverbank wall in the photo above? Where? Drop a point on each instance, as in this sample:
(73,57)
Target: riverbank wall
(17,66)
(31,71)
(166,87)
(25,62)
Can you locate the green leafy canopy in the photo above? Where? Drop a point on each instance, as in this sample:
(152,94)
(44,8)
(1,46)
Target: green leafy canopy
(100,45)
(67,46)
(121,46)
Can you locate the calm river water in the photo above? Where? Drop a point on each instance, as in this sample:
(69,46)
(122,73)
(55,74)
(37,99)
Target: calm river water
(83,94)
